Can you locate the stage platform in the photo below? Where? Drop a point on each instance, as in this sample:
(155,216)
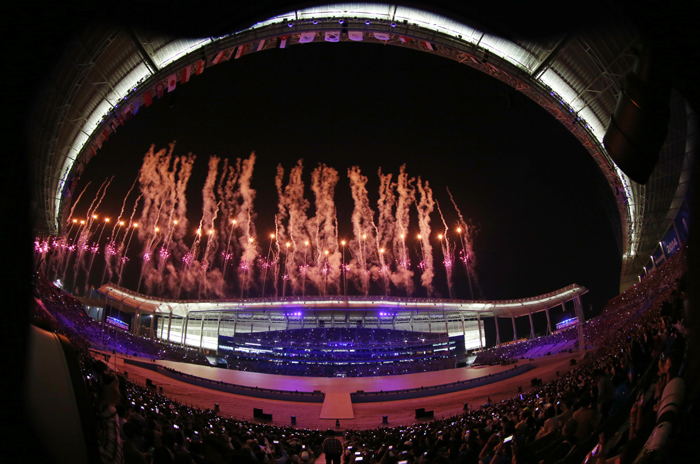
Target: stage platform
(334,384)
(366,415)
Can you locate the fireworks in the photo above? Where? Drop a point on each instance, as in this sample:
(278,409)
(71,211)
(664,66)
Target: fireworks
(110,249)
(307,246)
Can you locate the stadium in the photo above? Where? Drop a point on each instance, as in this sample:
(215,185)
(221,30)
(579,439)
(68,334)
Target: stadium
(211,350)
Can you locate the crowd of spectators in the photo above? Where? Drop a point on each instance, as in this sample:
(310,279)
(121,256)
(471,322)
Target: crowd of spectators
(341,337)
(415,364)
(64,314)
(329,352)
(641,343)
(505,354)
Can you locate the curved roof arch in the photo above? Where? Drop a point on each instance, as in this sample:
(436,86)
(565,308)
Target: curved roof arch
(575,78)
(484,308)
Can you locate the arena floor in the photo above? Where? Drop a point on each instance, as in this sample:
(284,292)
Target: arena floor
(366,415)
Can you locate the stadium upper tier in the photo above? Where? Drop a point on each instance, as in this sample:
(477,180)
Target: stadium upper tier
(107,71)
(293,305)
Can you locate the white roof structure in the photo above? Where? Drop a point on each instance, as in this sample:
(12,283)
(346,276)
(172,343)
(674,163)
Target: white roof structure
(183,308)
(576,79)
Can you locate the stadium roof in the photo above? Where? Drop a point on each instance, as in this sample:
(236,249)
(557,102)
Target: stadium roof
(574,77)
(505,308)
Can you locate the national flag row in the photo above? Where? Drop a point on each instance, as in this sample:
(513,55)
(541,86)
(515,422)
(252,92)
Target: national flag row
(125,114)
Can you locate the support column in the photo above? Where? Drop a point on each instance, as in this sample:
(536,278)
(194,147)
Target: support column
(515,331)
(134,328)
(184,329)
(663,252)
(498,335)
(150,332)
(170,322)
(532,326)
(549,324)
(578,310)
(201,333)
(478,322)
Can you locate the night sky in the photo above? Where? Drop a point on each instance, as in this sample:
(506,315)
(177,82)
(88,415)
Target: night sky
(534,195)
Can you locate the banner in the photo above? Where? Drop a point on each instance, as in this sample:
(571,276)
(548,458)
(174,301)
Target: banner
(355,35)
(682,222)
(381,36)
(671,243)
(332,36)
(307,37)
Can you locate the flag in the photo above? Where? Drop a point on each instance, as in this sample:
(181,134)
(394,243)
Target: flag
(147,98)
(92,148)
(259,46)
(381,36)
(114,124)
(127,114)
(200,67)
(160,90)
(405,40)
(120,120)
(239,51)
(332,36)
(105,134)
(172,82)
(185,75)
(429,46)
(307,37)
(99,140)
(137,105)
(282,41)
(355,35)
(218,57)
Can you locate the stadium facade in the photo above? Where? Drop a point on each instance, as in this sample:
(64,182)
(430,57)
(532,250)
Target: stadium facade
(200,323)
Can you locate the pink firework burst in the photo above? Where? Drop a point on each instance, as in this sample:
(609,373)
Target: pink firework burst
(146,256)
(303,269)
(94,248)
(71,248)
(422,265)
(110,249)
(124,259)
(226,255)
(448,262)
(164,253)
(85,247)
(204,265)
(187,259)
(326,268)
(285,277)
(243,265)
(405,263)
(464,256)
